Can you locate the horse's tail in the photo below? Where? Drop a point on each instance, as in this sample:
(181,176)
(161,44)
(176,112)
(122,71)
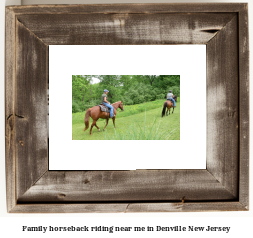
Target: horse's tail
(87,119)
(164,109)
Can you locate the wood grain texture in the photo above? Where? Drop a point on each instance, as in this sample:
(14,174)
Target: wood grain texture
(10,64)
(223,186)
(129,207)
(244,106)
(139,185)
(30,108)
(186,207)
(223,107)
(129,8)
(120,29)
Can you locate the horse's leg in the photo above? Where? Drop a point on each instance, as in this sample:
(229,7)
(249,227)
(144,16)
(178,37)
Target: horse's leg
(97,126)
(106,122)
(113,119)
(93,123)
(173,110)
(167,112)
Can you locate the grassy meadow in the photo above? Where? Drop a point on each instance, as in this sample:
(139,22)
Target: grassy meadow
(136,122)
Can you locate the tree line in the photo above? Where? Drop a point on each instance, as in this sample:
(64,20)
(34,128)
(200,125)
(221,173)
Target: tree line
(131,89)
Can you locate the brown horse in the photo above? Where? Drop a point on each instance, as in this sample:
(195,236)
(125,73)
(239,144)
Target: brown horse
(175,97)
(168,104)
(95,113)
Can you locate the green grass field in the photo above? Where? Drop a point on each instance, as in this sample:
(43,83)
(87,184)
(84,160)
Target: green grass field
(136,122)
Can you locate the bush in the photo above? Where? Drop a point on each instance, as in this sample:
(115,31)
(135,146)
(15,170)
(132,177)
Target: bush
(94,102)
(132,94)
(139,99)
(75,107)
(128,101)
(175,90)
(160,96)
(152,96)
(148,97)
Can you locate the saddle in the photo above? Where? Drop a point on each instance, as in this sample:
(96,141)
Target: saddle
(104,108)
(169,100)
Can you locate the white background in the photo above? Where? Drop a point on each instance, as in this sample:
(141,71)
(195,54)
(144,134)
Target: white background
(188,61)
(241,222)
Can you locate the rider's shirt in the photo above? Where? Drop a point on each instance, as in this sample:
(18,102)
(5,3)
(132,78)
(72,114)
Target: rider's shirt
(169,95)
(103,97)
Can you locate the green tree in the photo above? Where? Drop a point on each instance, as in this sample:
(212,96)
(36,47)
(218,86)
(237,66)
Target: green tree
(151,78)
(79,85)
(132,89)
(111,83)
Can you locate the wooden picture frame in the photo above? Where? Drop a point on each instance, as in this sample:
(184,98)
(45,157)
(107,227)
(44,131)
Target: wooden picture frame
(222,186)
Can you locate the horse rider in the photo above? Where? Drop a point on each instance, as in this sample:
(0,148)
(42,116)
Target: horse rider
(170,97)
(106,103)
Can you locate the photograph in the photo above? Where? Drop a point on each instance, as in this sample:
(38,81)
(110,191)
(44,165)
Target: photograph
(141,107)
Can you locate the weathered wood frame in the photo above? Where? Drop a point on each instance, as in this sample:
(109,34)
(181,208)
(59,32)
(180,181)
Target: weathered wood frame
(223,186)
